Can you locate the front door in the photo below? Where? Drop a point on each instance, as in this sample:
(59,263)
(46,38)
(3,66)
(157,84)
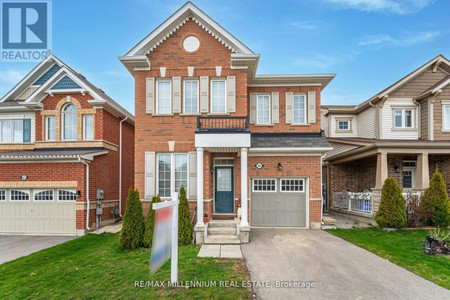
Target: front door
(224,190)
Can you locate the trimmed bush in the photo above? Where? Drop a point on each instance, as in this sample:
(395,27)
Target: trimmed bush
(150,223)
(391,213)
(132,234)
(435,204)
(185,229)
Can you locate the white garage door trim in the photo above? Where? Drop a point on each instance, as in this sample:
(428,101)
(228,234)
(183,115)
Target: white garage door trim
(278,187)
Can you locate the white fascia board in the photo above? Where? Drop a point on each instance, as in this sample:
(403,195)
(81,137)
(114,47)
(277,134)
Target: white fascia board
(441,86)
(292,149)
(228,140)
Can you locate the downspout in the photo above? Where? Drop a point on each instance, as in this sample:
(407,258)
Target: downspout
(321,187)
(120,168)
(87,191)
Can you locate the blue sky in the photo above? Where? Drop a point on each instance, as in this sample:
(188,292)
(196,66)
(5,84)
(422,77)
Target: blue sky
(368,43)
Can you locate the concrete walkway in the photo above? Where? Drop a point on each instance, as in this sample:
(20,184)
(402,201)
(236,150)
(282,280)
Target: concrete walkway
(15,246)
(338,269)
(223,251)
(114,228)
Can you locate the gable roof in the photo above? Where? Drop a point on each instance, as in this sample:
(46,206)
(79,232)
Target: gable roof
(435,88)
(46,79)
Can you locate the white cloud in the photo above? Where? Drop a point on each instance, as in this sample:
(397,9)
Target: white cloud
(308,25)
(319,61)
(401,7)
(406,40)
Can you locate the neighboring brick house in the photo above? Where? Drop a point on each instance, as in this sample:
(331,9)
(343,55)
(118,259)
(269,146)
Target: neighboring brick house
(206,121)
(402,132)
(60,141)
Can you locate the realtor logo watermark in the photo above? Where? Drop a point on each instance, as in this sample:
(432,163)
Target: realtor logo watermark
(25,30)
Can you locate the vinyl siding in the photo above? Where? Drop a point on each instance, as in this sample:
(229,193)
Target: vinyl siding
(333,125)
(424,119)
(419,84)
(387,120)
(437,116)
(324,121)
(366,123)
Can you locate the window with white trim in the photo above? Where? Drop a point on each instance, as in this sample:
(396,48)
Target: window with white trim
(263,109)
(181,171)
(19,195)
(403,118)
(165,173)
(2,195)
(343,125)
(264,185)
(218,96)
(191,96)
(11,131)
(163,97)
(299,109)
(292,185)
(164,166)
(50,128)
(446,116)
(69,120)
(88,127)
(67,195)
(43,195)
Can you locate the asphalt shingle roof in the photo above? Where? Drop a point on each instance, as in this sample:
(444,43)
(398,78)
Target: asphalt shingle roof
(289,140)
(65,83)
(46,76)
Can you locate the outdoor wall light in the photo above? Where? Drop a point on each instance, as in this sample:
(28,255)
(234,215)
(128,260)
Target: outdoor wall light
(78,194)
(279,166)
(396,169)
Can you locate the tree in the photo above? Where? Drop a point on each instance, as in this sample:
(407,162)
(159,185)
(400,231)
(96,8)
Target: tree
(391,213)
(132,234)
(150,223)
(435,204)
(185,229)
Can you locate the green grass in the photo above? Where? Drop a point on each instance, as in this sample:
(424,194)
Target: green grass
(402,247)
(95,267)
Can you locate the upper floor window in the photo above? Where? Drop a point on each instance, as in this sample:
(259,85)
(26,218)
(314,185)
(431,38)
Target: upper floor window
(163,97)
(263,109)
(88,127)
(50,128)
(69,120)
(12,131)
(299,113)
(343,125)
(403,118)
(191,95)
(446,117)
(218,93)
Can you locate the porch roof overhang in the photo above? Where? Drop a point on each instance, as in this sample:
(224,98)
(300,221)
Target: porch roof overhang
(222,142)
(389,147)
(74,154)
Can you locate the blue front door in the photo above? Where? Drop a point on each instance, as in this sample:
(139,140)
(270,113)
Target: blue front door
(224,190)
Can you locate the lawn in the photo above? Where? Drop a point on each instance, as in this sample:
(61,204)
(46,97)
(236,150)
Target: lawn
(95,267)
(402,247)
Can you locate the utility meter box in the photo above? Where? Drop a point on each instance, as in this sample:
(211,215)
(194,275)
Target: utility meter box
(100,194)
(99,211)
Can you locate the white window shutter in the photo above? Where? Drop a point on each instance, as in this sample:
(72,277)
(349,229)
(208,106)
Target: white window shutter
(252,108)
(231,94)
(150,171)
(192,175)
(176,95)
(312,107)
(289,110)
(150,94)
(204,88)
(275,108)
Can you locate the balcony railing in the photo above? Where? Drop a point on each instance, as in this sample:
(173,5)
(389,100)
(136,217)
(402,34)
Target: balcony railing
(361,202)
(219,124)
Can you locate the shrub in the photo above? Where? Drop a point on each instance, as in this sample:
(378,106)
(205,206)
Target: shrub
(391,213)
(413,212)
(435,204)
(150,224)
(185,229)
(132,233)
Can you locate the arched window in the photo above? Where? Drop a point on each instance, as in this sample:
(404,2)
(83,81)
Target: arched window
(69,122)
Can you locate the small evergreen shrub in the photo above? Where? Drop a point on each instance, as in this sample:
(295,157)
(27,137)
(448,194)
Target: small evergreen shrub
(435,204)
(391,213)
(150,223)
(132,234)
(185,229)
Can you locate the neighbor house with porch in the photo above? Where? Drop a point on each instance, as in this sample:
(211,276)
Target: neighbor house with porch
(246,147)
(402,132)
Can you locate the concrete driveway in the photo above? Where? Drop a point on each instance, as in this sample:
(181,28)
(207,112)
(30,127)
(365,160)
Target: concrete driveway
(339,269)
(15,246)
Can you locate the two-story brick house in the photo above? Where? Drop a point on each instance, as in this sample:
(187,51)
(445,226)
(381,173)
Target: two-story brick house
(60,141)
(402,132)
(207,121)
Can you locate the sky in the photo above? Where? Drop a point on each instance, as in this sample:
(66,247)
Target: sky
(369,44)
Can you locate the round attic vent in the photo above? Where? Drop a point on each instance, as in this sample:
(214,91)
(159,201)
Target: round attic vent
(191,43)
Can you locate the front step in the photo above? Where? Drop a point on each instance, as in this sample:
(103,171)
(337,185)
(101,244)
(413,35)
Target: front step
(216,224)
(328,223)
(221,230)
(222,239)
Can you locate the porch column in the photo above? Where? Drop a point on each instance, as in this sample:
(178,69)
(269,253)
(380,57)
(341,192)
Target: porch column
(382,170)
(423,173)
(244,188)
(199,187)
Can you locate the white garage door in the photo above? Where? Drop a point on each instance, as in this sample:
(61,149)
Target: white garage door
(38,211)
(278,202)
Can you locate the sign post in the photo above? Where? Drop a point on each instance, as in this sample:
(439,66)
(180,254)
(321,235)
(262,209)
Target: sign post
(165,237)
